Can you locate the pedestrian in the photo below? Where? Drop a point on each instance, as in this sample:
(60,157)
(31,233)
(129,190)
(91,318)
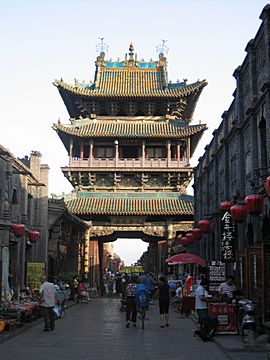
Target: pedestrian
(131,308)
(75,286)
(189,284)
(118,284)
(110,285)
(149,284)
(201,302)
(48,300)
(178,296)
(83,294)
(163,294)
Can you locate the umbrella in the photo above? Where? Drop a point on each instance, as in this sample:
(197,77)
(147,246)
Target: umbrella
(184,258)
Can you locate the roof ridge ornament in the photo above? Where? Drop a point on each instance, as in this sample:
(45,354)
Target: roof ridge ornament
(102,47)
(162,49)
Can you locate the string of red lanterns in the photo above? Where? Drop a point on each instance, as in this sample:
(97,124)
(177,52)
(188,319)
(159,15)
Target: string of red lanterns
(19,230)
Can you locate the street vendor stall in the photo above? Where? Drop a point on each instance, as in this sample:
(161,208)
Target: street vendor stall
(225,315)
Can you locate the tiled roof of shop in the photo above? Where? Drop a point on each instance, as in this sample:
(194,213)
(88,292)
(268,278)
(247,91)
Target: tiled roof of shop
(129,130)
(130,204)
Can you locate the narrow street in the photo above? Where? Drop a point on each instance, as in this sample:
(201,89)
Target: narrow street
(97,331)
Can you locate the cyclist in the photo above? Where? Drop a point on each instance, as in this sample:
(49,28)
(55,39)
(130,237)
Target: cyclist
(142,299)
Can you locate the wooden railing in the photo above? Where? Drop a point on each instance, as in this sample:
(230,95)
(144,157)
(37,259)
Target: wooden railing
(128,163)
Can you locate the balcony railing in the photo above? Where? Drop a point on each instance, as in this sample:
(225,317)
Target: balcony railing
(128,163)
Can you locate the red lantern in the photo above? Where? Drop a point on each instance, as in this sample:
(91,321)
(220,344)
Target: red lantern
(254,204)
(184,241)
(226,205)
(267,186)
(197,234)
(205,226)
(239,213)
(33,235)
(18,229)
(190,238)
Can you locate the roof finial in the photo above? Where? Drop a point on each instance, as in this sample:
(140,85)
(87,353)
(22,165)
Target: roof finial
(162,49)
(131,51)
(102,47)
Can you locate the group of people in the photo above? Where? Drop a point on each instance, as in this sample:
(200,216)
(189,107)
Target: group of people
(80,291)
(144,285)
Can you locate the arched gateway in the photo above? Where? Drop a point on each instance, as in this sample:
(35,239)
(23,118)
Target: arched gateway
(129,143)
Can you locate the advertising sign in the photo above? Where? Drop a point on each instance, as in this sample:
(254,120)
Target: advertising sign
(227,238)
(34,272)
(217,275)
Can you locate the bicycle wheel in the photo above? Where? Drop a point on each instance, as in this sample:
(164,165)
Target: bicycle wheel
(142,317)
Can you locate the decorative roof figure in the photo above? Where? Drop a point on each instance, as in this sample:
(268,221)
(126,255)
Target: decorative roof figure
(135,80)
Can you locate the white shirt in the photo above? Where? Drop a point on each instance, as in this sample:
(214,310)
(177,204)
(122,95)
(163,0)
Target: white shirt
(179,292)
(48,292)
(199,304)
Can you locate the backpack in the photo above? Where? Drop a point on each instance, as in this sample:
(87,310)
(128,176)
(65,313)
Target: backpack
(207,330)
(143,299)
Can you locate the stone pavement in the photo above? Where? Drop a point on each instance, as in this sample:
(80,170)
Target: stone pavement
(97,331)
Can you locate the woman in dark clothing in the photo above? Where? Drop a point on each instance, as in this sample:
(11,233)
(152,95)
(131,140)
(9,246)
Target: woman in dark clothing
(163,293)
(131,310)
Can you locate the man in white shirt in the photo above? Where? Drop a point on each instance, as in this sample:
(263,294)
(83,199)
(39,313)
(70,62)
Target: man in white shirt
(201,300)
(48,300)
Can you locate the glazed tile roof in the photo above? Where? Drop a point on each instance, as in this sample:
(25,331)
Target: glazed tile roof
(129,130)
(130,204)
(131,83)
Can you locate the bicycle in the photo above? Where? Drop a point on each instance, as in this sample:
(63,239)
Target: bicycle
(142,312)
(143,304)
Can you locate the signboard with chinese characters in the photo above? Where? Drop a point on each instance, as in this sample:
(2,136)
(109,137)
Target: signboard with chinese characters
(217,275)
(34,273)
(227,238)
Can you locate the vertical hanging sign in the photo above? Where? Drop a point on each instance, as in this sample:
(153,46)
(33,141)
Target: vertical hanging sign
(227,238)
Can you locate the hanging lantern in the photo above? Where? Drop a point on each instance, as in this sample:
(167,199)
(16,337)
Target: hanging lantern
(184,241)
(33,235)
(18,229)
(254,204)
(190,238)
(267,186)
(239,213)
(225,205)
(205,226)
(197,234)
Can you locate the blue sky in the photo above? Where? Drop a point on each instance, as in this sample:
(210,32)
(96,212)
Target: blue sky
(44,40)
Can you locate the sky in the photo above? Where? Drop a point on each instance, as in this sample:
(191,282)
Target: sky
(46,40)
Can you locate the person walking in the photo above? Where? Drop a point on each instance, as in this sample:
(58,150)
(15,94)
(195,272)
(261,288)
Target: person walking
(149,284)
(201,302)
(163,294)
(48,300)
(75,286)
(131,309)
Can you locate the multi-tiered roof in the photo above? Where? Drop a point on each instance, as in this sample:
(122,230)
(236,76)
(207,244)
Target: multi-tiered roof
(134,101)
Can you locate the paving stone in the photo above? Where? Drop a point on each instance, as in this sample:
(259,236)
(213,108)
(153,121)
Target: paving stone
(98,331)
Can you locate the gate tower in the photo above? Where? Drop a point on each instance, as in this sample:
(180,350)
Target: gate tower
(129,143)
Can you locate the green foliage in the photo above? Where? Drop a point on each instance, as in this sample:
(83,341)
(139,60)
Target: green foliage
(68,278)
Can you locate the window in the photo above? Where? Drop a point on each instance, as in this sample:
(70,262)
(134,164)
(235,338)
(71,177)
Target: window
(103,152)
(156,152)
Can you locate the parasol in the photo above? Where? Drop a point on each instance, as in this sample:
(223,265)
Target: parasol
(185,258)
